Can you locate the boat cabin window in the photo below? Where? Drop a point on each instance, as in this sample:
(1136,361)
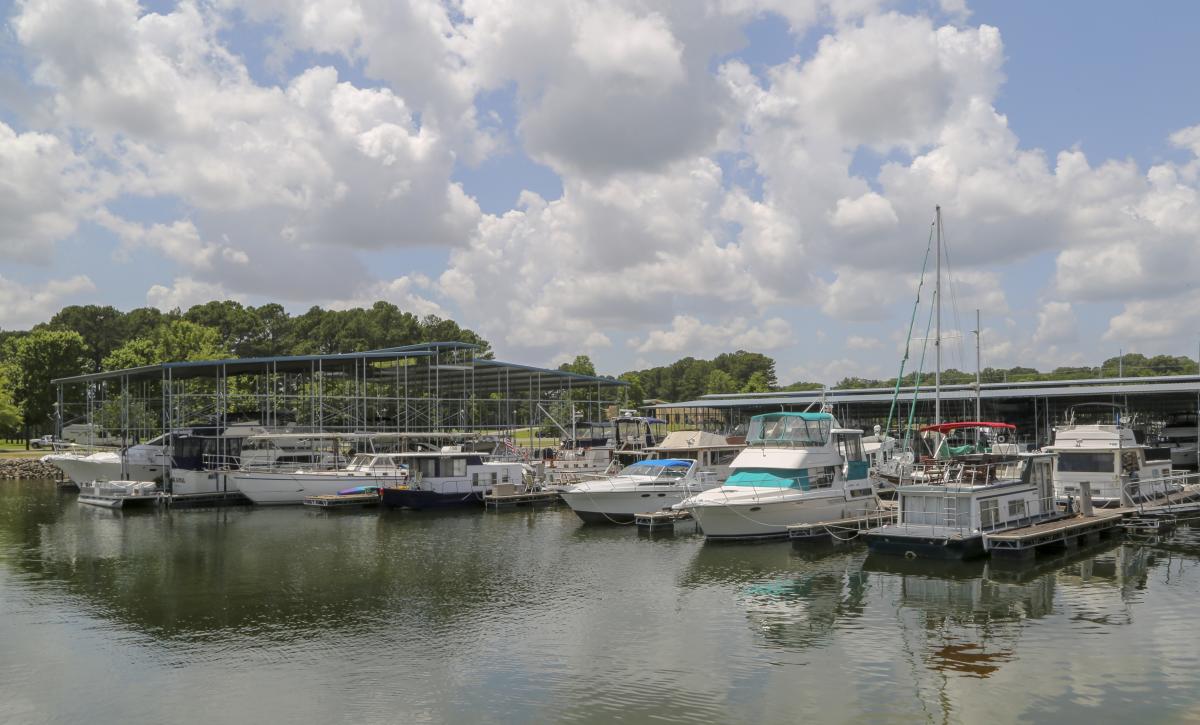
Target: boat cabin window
(850,446)
(669,471)
(722,458)
(458,466)
(989,513)
(427,467)
(1104,462)
(1016,509)
(793,430)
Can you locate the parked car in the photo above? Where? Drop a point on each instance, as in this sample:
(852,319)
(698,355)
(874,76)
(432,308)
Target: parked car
(46,441)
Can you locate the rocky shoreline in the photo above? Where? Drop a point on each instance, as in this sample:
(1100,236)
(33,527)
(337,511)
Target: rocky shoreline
(11,468)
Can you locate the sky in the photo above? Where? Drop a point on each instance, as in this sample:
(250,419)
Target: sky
(634,181)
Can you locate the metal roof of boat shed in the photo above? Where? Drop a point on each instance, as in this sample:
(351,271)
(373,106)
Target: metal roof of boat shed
(1164,384)
(449,365)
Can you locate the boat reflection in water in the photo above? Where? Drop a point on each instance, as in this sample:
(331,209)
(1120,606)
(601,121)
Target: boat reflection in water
(973,614)
(794,598)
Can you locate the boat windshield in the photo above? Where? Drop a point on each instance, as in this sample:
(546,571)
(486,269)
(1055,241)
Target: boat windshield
(668,470)
(790,430)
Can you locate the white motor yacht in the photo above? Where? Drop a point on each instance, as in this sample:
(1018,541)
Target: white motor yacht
(283,487)
(797,468)
(141,462)
(643,487)
(1108,456)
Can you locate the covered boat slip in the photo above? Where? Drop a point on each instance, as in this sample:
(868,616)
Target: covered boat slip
(434,389)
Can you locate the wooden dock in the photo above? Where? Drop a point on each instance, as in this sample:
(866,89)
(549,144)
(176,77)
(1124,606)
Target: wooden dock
(494,500)
(653,521)
(1065,533)
(336,501)
(840,529)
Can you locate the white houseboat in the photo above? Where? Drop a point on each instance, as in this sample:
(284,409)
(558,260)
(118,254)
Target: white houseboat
(450,478)
(949,515)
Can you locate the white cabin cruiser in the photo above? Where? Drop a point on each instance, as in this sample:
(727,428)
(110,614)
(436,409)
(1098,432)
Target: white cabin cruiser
(281,487)
(1108,456)
(141,462)
(797,468)
(643,487)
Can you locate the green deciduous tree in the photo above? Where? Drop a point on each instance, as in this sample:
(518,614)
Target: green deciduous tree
(581,365)
(174,341)
(32,361)
(720,381)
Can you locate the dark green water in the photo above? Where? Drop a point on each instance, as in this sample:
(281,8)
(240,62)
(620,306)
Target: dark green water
(287,615)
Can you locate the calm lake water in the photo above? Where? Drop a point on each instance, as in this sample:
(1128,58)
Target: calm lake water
(287,615)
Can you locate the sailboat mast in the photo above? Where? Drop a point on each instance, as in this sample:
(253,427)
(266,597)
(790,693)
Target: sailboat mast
(978,335)
(937,340)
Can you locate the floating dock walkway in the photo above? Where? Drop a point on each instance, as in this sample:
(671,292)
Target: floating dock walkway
(655,521)
(841,529)
(498,499)
(203,500)
(1066,533)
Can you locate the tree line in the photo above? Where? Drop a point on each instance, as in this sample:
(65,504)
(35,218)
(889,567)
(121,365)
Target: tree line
(1131,365)
(91,338)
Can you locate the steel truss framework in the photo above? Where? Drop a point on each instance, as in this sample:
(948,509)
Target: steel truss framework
(435,387)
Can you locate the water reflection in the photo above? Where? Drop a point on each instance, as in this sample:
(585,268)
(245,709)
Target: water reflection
(530,616)
(274,573)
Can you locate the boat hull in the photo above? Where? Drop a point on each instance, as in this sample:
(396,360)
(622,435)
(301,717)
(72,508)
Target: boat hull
(770,520)
(82,470)
(418,500)
(620,507)
(279,489)
(925,547)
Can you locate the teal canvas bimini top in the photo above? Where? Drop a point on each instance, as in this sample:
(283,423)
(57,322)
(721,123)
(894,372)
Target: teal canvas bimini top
(790,429)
